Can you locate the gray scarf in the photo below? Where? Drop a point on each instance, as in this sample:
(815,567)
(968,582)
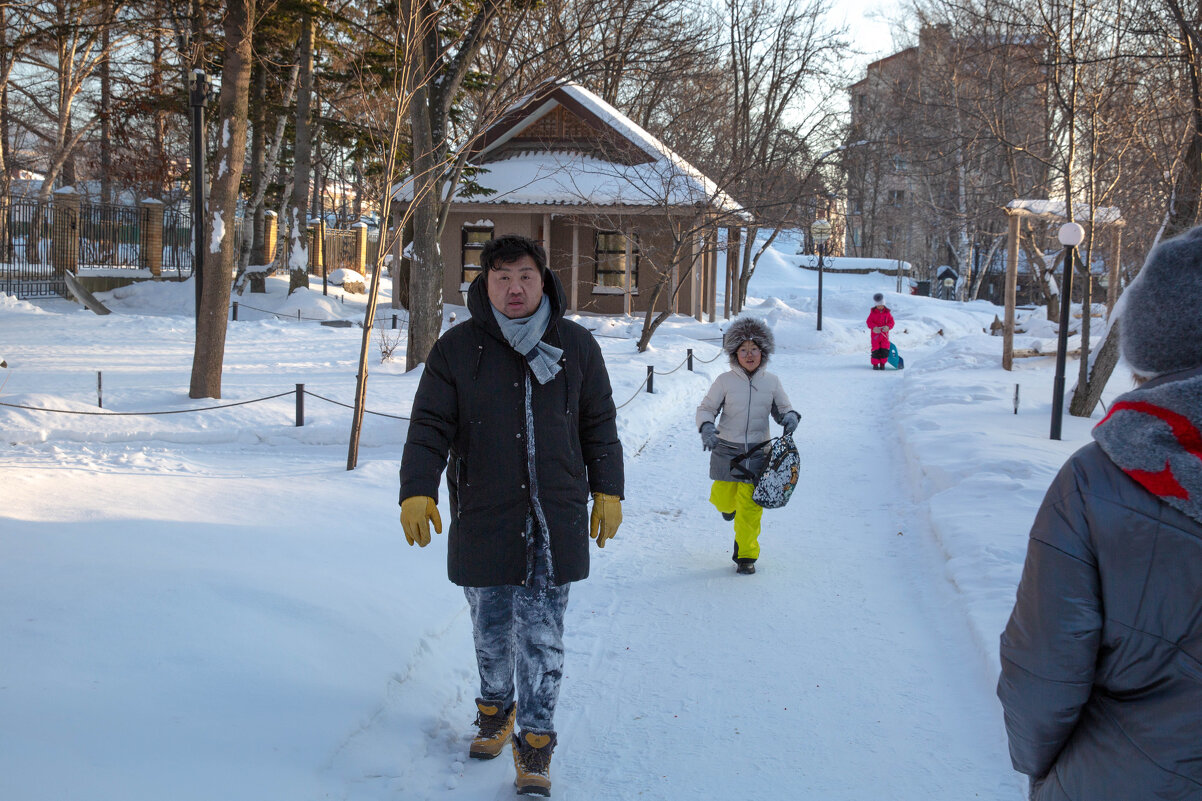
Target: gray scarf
(525,334)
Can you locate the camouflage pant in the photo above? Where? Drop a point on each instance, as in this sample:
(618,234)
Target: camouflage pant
(518,629)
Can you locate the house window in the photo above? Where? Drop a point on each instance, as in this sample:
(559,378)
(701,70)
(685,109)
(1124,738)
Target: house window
(857,236)
(611,259)
(474,237)
(896,197)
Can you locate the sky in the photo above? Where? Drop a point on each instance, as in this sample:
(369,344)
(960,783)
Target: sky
(207,604)
(868,21)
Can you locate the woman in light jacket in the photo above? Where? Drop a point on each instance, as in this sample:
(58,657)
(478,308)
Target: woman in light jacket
(1102,658)
(732,418)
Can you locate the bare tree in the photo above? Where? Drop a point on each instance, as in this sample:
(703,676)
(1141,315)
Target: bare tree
(68,47)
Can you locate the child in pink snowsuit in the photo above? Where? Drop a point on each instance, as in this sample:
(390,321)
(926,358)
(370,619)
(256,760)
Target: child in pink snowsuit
(880,320)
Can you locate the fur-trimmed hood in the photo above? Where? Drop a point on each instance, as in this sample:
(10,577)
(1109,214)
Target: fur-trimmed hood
(1153,434)
(746,329)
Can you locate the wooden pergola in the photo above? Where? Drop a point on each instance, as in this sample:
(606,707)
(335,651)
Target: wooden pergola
(1054,210)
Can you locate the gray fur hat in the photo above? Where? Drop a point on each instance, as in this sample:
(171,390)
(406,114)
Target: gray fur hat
(745,329)
(1161,316)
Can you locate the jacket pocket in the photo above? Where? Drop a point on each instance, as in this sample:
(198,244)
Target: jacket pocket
(572,390)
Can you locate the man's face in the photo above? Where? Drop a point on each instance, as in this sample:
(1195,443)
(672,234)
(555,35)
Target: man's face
(515,288)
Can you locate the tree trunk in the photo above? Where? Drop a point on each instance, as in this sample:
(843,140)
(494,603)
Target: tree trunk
(426,268)
(106,125)
(1087,394)
(296,244)
(1187,185)
(223,200)
(402,265)
(5,67)
(1086,318)
(160,121)
(258,171)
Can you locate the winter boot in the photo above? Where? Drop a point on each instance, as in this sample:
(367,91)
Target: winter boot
(532,759)
(746,566)
(494,725)
(728,516)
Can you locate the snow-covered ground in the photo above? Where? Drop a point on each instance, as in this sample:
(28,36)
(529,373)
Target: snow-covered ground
(207,604)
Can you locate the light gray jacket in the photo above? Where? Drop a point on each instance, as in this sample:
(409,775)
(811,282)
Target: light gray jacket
(1101,678)
(740,405)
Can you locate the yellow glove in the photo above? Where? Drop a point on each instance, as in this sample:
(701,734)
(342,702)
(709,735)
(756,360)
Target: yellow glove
(607,516)
(416,513)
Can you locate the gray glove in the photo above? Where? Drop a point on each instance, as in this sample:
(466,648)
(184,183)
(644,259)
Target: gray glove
(790,423)
(709,437)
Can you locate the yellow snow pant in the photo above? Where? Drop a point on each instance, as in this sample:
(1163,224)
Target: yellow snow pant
(735,496)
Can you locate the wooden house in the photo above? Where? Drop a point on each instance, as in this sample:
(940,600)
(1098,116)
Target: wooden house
(626,222)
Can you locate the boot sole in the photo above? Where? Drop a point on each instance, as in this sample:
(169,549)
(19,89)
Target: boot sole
(483,754)
(545,792)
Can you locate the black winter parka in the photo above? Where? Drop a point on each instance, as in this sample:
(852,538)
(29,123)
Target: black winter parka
(469,417)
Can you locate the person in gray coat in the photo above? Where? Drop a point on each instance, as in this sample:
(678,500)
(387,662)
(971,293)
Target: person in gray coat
(732,419)
(1101,679)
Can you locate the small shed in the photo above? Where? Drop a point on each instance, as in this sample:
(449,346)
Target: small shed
(626,221)
(1054,210)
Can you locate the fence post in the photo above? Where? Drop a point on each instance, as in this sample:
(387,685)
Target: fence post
(300,405)
(1016,398)
(150,237)
(235,310)
(360,229)
(271,230)
(64,234)
(690,360)
(99,394)
(394,322)
(650,379)
(317,258)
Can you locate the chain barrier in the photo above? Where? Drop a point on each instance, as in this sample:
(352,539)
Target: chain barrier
(636,393)
(650,372)
(134,414)
(348,406)
(377,323)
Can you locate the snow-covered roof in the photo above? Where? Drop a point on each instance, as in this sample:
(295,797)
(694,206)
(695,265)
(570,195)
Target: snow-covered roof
(565,178)
(561,177)
(1056,210)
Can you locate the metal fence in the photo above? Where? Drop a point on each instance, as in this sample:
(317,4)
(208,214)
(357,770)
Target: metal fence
(104,236)
(27,254)
(34,251)
(109,236)
(177,242)
(340,250)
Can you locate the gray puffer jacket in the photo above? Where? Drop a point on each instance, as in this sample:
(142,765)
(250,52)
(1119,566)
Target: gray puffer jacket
(740,403)
(1101,677)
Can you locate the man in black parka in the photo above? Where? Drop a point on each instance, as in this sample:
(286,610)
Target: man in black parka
(516,404)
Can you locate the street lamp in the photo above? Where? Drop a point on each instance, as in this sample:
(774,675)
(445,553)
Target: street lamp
(820,231)
(1071,235)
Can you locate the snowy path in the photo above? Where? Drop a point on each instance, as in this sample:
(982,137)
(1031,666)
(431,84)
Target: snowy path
(805,680)
(821,677)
